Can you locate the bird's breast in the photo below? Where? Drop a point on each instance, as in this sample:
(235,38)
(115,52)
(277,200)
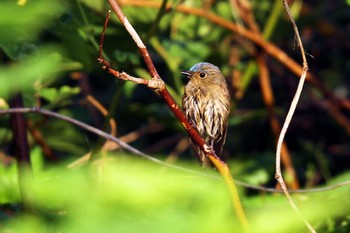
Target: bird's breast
(207,110)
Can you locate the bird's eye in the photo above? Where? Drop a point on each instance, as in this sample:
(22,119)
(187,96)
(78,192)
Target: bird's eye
(202,75)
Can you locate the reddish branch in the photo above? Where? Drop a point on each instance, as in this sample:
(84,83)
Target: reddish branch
(156,82)
(40,140)
(158,85)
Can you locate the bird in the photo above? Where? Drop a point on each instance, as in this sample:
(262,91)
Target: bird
(206,105)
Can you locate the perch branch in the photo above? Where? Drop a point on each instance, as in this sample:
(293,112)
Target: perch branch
(162,90)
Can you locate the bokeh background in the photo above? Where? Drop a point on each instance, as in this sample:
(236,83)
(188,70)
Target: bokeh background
(49,51)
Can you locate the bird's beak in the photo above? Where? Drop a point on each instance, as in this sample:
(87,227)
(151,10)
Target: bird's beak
(187,73)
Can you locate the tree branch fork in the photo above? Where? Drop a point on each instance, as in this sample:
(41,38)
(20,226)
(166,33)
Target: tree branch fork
(155,84)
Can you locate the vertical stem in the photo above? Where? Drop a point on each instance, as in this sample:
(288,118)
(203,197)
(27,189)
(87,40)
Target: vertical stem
(288,119)
(19,131)
(21,147)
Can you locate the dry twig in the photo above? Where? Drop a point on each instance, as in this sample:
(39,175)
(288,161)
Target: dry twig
(289,116)
(266,90)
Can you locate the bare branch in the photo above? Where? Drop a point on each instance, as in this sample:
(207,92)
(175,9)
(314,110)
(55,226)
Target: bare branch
(289,116)
(150,158)
(96,131)
(209,152)
(108,16)
(156,81)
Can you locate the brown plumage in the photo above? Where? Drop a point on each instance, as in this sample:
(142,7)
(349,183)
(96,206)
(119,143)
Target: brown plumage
(206,104)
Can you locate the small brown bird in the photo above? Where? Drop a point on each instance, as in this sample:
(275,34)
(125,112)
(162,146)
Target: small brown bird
(206,104)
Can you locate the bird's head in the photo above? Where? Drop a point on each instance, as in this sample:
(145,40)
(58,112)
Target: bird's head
(203,72)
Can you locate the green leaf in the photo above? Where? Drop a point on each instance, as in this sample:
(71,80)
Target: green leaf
(36,160)
(53,94)
(23,75)
(69,91)
(9,191)
(50,94)
(21,25)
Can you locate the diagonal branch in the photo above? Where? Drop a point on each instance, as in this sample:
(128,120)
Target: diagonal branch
(193,133)
(96,131)
(152,159)
(156,82)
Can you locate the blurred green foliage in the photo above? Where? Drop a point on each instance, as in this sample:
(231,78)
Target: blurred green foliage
(48,52)
(129,195)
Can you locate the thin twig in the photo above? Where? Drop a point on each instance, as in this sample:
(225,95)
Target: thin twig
(266,90)
(135,135)
(289,116)
(268,98)
(108,16)
(311,190)
(150,158)
(40,140)
(112,123)
(155,83)
(98,132)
